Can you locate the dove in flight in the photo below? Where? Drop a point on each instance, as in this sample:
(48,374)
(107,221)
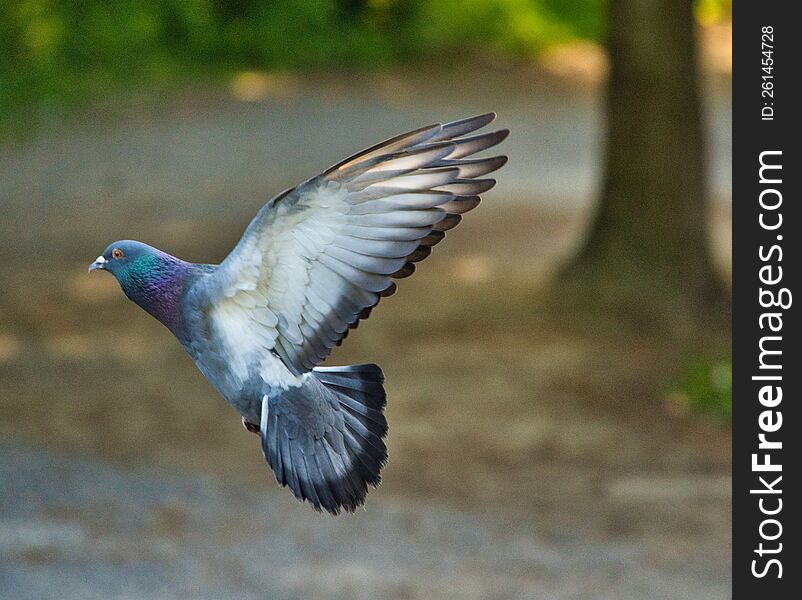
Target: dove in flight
(312,263)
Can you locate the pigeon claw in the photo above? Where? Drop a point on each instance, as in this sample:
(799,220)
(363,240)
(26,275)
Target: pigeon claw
(253,428)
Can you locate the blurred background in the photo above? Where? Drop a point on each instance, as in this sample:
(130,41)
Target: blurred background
(558,372)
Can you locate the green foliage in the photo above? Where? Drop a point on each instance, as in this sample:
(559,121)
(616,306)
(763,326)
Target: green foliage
(710,11)
(706,387)
(516,28)
(53,53)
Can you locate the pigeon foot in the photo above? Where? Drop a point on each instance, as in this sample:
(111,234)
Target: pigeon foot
(253,428)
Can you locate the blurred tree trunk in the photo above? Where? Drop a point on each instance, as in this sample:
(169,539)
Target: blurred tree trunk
(647,254)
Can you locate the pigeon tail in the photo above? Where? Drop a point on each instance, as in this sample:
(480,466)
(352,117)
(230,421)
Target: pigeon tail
(332,466)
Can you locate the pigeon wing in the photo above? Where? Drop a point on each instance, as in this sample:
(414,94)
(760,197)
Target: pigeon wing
(316,258)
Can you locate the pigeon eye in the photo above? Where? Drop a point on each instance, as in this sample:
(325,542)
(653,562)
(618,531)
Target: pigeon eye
(117,254)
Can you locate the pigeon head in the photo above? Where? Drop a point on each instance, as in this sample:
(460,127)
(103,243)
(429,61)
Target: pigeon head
(149,277)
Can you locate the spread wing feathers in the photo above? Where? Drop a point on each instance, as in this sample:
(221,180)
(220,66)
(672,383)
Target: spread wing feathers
(317,258)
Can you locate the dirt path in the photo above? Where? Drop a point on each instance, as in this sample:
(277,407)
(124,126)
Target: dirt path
(73,527)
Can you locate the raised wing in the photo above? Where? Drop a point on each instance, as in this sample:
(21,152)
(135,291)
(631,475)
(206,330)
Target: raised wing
(317,258)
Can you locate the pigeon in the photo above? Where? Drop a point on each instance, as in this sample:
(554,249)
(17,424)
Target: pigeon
(310,266)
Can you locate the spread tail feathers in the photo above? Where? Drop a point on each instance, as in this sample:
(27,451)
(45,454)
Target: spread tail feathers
(327,443)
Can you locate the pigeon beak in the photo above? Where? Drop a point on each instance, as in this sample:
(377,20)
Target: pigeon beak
(100,263)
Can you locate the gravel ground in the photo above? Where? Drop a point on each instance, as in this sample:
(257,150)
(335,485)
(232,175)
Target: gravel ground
(76,527)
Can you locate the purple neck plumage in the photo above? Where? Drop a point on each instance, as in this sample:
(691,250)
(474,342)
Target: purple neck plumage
(156,282)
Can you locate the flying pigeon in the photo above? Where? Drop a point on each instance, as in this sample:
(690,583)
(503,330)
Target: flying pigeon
(313,262)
